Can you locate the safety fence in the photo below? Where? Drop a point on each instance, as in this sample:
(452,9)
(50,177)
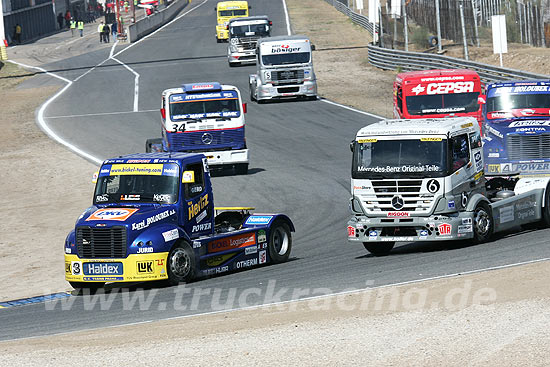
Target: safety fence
(151,23)
(391,59)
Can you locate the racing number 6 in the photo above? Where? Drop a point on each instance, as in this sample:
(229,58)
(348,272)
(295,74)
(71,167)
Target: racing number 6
(433,186)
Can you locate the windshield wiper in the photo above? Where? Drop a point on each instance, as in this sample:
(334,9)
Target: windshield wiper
(192,120)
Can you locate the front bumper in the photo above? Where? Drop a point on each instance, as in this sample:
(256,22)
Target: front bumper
(223,157)
(242,57)
(411,229)
(134,268)
(269,91)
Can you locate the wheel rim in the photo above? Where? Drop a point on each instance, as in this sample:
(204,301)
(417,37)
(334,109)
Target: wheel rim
(180,263)
(482,222)
(280,241)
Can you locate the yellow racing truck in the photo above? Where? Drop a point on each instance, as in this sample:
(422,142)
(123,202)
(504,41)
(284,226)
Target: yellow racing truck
(225,11)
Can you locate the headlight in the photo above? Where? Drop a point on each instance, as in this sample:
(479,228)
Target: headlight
(234,40)
(233,48)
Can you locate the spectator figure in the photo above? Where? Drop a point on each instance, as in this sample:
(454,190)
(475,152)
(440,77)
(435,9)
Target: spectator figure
(100,31)
(114,30)
(17,30)
(60,20)
(106,33)
(68,19)
(80,27)
(73,26)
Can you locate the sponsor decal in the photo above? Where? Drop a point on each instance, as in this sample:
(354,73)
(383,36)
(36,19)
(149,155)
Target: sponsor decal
(246,263)
(466,221)
(397,239)
(523,123)
(478,175)
(145,267)
(102,198)
(464,199)
(250,250)
(493,155)
(197,244)
(201,216)
(188,177)
(398,214)
(261,236)
(136,169)
(451,204)
(119,214)
(423,234)
(450,87)
(214,271)
(469,124)
(465,228)
(202,86)
(138,161)
(130,197)
(284,48)
(194,209)
(201,227)
(493,168)
(445,229)
(263,257)
(68,268)
(361,141)
(418,89)
(145,250)
(373,235)
(155,218)
(68,250)
(258,219)
(232,242)
(431,139)
(362,188)
(399,169)
(506,214)
(494,131)
(433,186)
(102,269)
(171,235)
(351,231)
(218,259)
(162,197)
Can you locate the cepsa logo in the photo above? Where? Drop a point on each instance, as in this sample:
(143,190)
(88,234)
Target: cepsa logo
(233,242)
(450,87)
(202,86)
(112,214)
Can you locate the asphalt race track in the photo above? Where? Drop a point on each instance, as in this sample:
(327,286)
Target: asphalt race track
(300,165)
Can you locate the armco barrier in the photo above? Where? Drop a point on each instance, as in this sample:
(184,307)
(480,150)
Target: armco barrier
(149,24)
(407,61)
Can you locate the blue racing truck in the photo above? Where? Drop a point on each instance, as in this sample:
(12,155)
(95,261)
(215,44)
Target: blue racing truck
(516,124)
(153,218)
(204,118)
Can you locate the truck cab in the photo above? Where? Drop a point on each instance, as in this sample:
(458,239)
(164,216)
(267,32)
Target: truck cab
(225,11)
(516,119)
(424,180)
(284,69)
(244,34)
(153,218)
(207,118)
(437,93)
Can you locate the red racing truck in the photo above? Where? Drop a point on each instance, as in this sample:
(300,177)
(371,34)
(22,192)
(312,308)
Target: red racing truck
(437,93)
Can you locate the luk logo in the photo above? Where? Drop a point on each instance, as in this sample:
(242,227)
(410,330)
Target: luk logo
(418,89)
(145,267)
(112,214)
(444,229)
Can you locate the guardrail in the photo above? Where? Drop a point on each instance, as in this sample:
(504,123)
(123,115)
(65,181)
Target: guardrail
(151,23)
(389,59)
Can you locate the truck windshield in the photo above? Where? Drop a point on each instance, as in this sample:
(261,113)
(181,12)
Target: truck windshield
(539,103)
(205,105)
(419,157)
(286,58)
(249,30)
(232,13)
(442,103)
(137,183)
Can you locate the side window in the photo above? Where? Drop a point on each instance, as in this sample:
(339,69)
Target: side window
(460,151)
(475,140)
(400,99)
(194,189)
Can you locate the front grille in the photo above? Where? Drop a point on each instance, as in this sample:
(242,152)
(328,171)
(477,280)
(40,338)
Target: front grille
(226,139)
(409,190)
(248,43)
(287,77)
(96,242)
(288,90)
(526,147)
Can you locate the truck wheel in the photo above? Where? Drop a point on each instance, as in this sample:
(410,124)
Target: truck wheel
(483,223)
(181,264)
(85,285)
(280,242)
(379,248)
(251,94)
(241,168)
(545,221)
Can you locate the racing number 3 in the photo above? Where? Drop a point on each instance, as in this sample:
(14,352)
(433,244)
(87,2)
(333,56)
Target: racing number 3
(178,128)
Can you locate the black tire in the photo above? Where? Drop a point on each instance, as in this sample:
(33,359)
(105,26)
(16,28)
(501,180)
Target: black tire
(150,142)
(218,40)
(545,221)
(181,264)
(260,101)
(85,285)
(241,168)
(379,248)
(231,65)
(483,222)
(251,94)
(280,242)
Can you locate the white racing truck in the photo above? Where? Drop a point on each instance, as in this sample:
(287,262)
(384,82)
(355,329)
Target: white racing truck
(423,180)
(244,34)
(284,69)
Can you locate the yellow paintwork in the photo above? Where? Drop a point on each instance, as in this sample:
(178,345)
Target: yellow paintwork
(221,25)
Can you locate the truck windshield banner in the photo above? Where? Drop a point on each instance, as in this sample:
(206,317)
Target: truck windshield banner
(204,105)
(277,48)
(167,169)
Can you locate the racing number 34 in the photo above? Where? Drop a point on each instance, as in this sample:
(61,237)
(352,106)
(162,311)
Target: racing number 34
(178,128)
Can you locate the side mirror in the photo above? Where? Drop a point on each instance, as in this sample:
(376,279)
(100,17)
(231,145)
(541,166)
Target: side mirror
(481,99)
(351,145)
(312,47)
(163,113)
(245,108)
(95,176)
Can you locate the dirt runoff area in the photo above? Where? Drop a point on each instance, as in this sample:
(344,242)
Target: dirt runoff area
(493,318)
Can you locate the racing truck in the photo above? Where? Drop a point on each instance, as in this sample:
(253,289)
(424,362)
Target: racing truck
(153,218)
(284,69)
(517,128)
(437,93)
(244,34)
(207,118)
(424,180)
(225,11)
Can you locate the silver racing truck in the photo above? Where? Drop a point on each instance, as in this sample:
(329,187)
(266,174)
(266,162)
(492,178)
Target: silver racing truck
(244,34)
(284,69)
(424,180)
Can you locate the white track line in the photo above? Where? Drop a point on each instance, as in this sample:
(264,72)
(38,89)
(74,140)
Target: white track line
(42,122)
(287,19)
(136,82)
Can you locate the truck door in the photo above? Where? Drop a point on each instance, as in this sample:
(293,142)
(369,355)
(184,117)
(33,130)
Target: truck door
(199,201)
(462,169)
